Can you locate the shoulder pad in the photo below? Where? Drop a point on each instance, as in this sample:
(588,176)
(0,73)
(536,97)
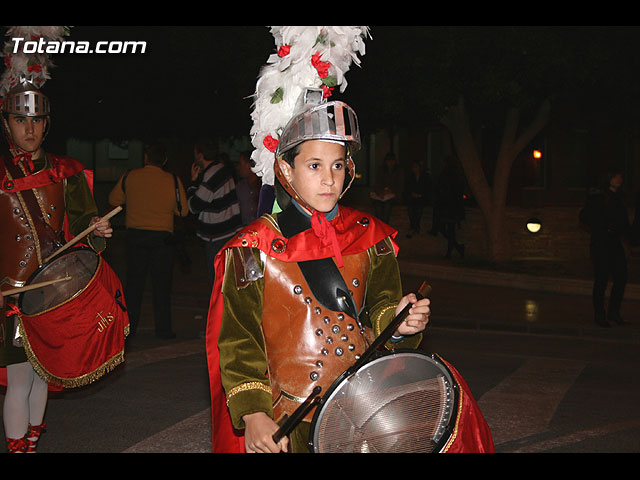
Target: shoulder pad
(383,247)
(246,268)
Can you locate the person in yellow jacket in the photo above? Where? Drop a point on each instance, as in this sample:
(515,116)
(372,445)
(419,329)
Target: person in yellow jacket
(152,197)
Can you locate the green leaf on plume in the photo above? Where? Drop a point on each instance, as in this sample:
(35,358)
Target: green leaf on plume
(277,96)
(330,81)
(321,39)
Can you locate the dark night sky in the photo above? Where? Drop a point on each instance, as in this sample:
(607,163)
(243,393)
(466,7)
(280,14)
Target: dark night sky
(190,80)
(194,80)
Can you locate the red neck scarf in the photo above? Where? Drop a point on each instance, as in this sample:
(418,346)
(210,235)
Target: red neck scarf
(26,158)
(326,233)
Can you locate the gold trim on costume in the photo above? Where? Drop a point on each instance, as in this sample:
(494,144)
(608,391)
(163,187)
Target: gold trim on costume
(269,219)
(376,326)
(80,381)
(14,283)
(292,397)
(454,434)
(248,386)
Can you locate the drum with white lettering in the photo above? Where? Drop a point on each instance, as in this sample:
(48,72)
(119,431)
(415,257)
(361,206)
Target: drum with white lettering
(74,329)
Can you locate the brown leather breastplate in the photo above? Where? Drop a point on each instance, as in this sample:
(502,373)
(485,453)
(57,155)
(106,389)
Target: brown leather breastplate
(31,229)
(307,344)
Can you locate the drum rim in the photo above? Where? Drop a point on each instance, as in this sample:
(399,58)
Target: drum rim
(79,292)
(449,430)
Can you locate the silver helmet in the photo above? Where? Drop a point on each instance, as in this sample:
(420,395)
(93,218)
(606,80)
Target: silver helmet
(319,120)
(26,100)
(330,121)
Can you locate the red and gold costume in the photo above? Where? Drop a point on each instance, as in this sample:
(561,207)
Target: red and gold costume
(40,212)
(274,341)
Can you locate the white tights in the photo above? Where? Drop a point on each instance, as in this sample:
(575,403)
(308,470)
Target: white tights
(25,400)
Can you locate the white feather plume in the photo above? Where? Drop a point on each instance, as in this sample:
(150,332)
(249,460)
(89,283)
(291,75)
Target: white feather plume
(285,76)
(35,66)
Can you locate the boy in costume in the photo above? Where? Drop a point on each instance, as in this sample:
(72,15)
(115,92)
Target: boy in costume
(301,293)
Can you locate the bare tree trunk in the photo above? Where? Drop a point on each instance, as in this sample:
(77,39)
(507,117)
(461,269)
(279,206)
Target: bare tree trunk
(492,200)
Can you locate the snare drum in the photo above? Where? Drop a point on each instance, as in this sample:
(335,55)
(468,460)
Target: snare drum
(74,330)
(398,402)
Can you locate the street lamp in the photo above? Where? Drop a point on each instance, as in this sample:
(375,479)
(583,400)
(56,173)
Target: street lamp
(534,225)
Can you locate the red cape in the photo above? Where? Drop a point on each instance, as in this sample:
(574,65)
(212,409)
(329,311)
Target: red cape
(353,237)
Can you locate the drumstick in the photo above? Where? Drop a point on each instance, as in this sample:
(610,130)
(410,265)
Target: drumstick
(33,286)
(297,416)
(84,233)
(423,291)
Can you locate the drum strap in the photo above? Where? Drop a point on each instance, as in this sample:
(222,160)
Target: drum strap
(46,234)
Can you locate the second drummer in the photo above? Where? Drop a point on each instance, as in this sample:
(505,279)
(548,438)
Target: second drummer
(37,191)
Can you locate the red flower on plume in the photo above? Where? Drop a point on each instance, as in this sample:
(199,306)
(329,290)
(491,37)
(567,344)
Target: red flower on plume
(284,50)
(327,91)
(7,61)
(271,143)
(320,66)
(34,68)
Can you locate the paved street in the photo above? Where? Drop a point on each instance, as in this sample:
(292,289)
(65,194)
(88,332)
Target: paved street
(546,378)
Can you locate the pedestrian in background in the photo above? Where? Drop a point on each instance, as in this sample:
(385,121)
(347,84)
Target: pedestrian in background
(449,204)
(417,191)
(152,197)
(606,216)
(388,190)
(248,189)
(212,197)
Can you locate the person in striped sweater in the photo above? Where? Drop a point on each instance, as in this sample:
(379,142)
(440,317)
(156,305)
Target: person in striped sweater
(212,197)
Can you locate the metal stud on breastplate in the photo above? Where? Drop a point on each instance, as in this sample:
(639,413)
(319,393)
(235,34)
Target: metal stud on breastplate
(297,289)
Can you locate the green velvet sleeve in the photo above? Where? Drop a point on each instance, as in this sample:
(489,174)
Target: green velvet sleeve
(384,291)
(81,207)
(243,360)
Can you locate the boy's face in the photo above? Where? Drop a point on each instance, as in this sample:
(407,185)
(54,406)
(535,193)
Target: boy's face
(319,173)
(27,132)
